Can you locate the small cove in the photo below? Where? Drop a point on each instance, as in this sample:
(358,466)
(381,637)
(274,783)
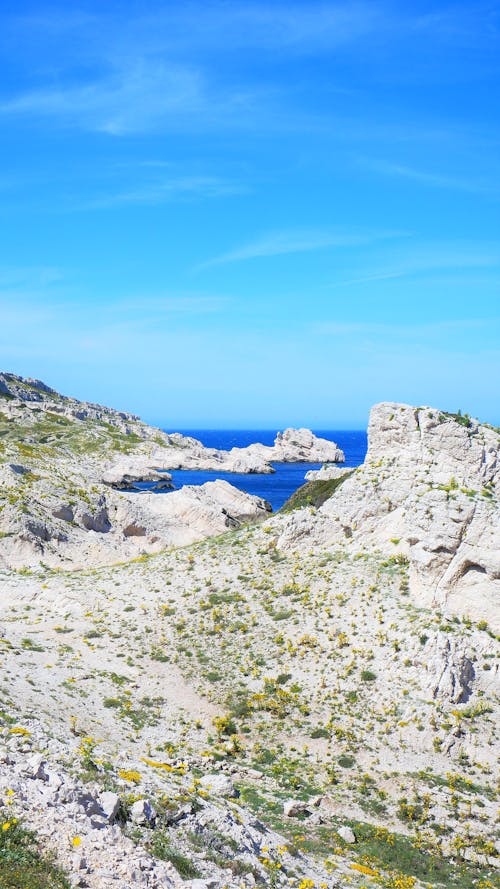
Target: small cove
(275,487)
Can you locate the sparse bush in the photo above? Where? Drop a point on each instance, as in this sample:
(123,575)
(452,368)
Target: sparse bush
(368,676)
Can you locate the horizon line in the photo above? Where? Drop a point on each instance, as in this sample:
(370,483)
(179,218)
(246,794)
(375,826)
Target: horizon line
(258,428)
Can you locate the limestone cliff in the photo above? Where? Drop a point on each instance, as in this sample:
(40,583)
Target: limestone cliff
(427,492)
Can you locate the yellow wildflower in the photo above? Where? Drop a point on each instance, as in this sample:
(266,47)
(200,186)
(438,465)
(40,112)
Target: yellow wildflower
(130,775)
(363,869)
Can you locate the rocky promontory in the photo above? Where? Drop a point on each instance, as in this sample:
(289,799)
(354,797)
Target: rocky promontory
(183,452)
(67,470)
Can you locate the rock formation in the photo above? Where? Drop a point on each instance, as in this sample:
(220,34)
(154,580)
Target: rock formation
(327,471)
(111,526)
(66,470)
(126,476)
(290,446)
(427,492)
(294,446)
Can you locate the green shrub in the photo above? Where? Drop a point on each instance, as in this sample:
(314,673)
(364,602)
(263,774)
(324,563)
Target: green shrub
(314,493)
(345,761)
(320,732)
(21,864)
(368,676)
(161,848)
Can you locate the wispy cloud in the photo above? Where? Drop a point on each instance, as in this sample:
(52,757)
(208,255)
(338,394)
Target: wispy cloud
(292,27)
(423,259)
(139,73)
(138,308)
(154,325)
(464,25)
(161,191)
(129,98)
(295,26)
(299,241)
(432,179)
(411,331)
(220,26)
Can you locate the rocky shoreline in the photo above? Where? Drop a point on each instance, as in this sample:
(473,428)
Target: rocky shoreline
(68,468)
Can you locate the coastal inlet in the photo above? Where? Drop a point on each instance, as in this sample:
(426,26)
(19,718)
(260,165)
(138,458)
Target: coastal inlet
(275,487)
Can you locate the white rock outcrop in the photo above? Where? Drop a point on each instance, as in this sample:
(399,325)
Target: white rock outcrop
(119,525)
(450,669)
(327,472)
(124,476)
(180,452)
(218,785)
(428,492)
(293,446)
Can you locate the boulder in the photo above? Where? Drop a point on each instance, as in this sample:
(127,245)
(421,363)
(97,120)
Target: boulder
(347,834)
(110,805)
(293,807)
(35,767)
(218,785)
(142,812)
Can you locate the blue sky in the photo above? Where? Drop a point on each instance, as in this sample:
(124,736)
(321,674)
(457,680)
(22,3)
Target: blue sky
(252,214)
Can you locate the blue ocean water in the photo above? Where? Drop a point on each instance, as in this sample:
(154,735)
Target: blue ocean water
(277,487)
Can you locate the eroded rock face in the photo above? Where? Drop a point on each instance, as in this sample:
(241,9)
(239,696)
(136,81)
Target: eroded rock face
(121,525)
(124,476)
(24,388)
(428,491)
(30,393)
(451,671)
(186,515)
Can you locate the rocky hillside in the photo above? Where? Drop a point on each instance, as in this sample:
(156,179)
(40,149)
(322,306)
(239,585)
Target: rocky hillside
(38,415)
(67,467)
(309,701)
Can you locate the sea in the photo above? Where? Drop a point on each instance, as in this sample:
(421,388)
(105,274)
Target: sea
(275,487)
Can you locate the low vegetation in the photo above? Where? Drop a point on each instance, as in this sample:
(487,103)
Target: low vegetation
(314,493)
(23,865)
